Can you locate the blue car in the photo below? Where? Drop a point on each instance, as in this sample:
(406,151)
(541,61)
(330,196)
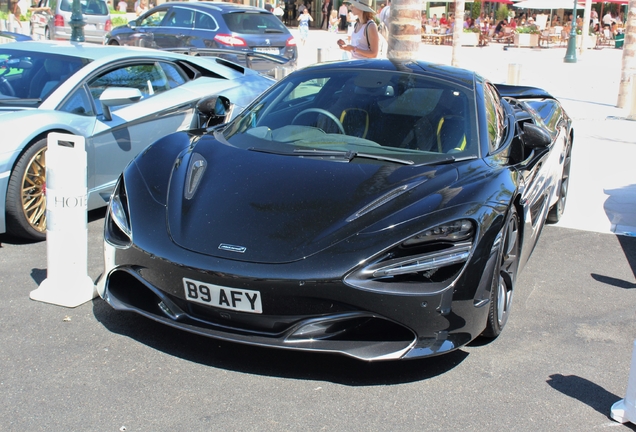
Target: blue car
(208,25)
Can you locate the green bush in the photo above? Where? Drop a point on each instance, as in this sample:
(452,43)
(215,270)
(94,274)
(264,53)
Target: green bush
(502,12)
(119,20)
(529,30)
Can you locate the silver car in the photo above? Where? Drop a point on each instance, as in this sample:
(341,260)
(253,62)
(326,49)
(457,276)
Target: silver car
(119,98)
(51,20)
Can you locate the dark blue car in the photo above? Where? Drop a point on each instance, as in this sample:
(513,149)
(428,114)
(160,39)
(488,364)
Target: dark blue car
(208,25)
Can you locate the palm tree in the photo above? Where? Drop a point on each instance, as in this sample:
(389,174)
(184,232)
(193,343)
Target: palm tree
(405,29)
(628,68)
(458,28)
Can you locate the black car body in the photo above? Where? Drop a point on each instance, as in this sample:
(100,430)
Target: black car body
(377,209)
(208,25)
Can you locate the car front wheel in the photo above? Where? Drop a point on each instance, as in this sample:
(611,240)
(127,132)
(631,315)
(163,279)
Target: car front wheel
(26,194)
(504,276)
(556,211)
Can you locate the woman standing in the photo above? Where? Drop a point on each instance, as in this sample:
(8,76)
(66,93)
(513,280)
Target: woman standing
(303,25)
(365,39)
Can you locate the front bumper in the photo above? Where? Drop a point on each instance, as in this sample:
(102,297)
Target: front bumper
(299,313)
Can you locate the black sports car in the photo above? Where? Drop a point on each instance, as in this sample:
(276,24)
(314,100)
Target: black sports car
(377,209)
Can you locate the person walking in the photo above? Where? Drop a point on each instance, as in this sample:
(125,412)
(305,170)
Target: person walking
(303,25)
(326,13)
(365,39)
(342,12)
(385,17)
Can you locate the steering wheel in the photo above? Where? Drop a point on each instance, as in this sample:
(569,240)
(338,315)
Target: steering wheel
(5,87)
(326,114)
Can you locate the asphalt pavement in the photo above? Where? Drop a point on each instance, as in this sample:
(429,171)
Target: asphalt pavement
(562,361)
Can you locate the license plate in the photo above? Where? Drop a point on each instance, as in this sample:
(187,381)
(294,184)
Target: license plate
(90,27)
(267,50)
(222,297)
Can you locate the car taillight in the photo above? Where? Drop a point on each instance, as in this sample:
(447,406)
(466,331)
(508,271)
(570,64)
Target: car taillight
(59,21)
(230,40)
(108,26)
(291,42)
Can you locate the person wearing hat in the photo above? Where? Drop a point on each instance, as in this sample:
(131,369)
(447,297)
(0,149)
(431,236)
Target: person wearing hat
(365,39)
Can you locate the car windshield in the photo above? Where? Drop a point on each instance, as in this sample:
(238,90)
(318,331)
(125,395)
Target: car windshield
(27,78)
(253,23)
(386,114)
(89,7)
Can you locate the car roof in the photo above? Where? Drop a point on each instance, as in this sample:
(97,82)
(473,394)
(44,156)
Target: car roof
(463,77)
(87,50)
(217,6)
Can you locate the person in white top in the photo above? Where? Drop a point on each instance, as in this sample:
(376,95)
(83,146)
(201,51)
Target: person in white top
(365,39)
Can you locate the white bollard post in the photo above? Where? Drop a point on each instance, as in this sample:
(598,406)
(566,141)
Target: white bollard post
(67,282)
(624,410)
(319,55)
(514,74)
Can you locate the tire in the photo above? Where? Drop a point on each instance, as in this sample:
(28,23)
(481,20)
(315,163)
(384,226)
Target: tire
(113,42)
(556,211)
(504,276)
(26,194)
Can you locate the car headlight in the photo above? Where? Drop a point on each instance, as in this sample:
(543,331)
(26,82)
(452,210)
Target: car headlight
(422,263)
(117,227)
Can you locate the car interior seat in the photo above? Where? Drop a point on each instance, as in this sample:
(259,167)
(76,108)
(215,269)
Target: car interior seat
(451,136)
(450,127)
(52,73)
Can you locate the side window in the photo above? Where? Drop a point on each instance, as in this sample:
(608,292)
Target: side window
(180,18)
(205,22)
(149,79)
(495,117)
(175,76)
(79,103)
(153,20)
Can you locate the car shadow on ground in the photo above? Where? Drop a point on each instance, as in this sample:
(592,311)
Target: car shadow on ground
(268,361)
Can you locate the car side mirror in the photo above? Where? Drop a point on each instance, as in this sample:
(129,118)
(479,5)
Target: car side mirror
(117,96)
(212,110)
(535,136)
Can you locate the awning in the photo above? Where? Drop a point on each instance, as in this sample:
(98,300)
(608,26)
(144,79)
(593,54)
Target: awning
(546,4)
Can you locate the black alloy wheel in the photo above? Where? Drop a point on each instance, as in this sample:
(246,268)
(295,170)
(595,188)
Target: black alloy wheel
(559,207)
(504,276)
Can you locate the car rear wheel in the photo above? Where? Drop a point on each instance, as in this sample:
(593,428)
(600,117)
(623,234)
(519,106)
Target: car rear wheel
(26,194)
(504,276)
(559,207)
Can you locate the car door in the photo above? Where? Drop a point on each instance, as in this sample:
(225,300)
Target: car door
(142,31)
(176,29)
(117,138)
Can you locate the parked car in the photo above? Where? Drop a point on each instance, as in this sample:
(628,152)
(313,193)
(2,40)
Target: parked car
(119,98)
(51,20)
(204,25)
(373,208)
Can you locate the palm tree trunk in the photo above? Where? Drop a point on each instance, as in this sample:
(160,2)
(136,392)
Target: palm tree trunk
(458,29)
(628,68)
(405,29)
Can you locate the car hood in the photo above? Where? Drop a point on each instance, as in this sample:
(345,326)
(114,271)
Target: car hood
(268,208)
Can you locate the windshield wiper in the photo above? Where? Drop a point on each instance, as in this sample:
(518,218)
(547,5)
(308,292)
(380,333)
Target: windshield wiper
(273,31)
(346,155)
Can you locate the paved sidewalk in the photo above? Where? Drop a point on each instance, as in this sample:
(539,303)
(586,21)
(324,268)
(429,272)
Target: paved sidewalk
(602,194)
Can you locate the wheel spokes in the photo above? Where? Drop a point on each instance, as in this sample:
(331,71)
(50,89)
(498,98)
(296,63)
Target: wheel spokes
(34,191)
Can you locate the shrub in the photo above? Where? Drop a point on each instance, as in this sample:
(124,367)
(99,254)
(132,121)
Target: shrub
(119,21)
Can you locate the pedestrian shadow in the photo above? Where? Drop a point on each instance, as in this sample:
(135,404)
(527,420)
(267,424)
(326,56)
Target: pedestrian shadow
(587,392)
(270,361)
